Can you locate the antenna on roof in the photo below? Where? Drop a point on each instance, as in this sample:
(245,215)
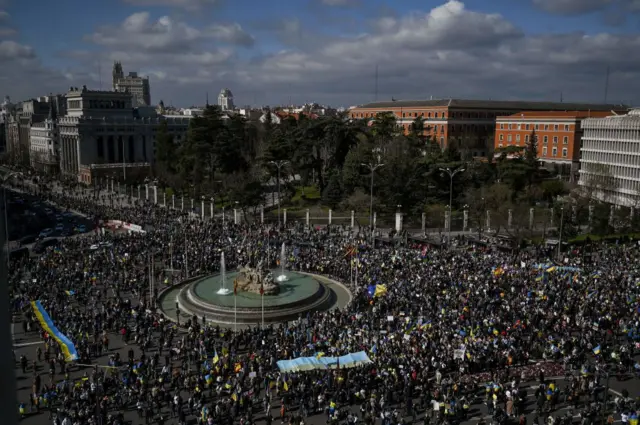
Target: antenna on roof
(560,97)
(606,86)
(100,73)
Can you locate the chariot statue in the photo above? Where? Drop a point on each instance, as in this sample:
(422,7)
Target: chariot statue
(251,279)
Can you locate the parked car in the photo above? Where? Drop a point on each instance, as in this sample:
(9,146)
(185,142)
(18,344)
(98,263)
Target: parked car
(81,228)
(59,227)
(46,232)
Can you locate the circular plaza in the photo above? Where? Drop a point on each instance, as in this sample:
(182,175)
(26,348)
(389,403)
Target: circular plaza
(299,294)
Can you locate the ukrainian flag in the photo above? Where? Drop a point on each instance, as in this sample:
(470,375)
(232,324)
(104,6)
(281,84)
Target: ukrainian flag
(70,292)
(208,379)
(597,350)
(320,355)
(381,291)
(68,349)
(216,359)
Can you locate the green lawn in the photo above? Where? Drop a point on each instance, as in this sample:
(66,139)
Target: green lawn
(306,193)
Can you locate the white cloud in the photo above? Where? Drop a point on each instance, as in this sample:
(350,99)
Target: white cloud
(165,34)
(10,50)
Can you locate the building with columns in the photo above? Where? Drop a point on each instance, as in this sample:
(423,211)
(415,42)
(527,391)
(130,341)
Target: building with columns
(103,135)
(610,158)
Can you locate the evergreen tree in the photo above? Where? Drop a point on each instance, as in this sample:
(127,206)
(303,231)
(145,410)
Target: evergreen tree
(332,194)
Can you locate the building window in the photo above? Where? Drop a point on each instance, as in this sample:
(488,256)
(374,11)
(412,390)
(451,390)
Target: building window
(517,137)
(555,127)
(442,141)
(508,138)
(526,127)
(555,140)
(501,126)
(554,152)
(519,126)
(536,126)
(546,127)
(565,140)
(544,151)
(565,151)
(501,137)
(500,145)
(566,127)
(545,139)
(526,138)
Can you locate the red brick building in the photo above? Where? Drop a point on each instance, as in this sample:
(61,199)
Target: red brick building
(469,124)
(558,133)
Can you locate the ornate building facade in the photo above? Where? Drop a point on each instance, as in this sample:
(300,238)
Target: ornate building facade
(138,86)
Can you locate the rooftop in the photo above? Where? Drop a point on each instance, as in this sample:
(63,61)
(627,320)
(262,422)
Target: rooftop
(556,115)
(493,104)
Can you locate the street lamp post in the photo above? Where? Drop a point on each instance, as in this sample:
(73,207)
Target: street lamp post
(372,168)
(279,164)
(452,174)
(560,234)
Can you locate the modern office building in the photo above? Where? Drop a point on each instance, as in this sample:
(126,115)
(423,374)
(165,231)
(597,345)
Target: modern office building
(558,134)
(610,158)
(132,83)
(469,124)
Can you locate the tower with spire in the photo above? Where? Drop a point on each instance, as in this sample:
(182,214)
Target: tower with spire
(117,73)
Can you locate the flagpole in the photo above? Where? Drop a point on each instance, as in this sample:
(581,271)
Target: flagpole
(235,307)
(262,300)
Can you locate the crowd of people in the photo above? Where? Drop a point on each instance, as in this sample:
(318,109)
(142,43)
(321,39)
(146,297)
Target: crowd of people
(468,334)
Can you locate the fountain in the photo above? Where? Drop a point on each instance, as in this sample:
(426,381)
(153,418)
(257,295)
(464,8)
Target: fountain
(223,273)
(283,259)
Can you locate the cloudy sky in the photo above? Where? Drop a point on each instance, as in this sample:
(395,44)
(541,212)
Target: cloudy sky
(271,52)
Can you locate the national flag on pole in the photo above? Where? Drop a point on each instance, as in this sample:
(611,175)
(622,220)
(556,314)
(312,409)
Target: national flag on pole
(351,251)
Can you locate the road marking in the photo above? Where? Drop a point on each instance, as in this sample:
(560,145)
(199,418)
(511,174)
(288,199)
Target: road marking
(27,344)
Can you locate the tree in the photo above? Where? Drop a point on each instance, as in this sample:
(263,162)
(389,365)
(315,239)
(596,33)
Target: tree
(166,150)
(332,194)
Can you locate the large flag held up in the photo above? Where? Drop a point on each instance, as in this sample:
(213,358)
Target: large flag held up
(68,349)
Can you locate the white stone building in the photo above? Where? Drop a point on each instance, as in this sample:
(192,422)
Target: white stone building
(138,86)
(610,158)
(225,100)
(102,135)
(43,142)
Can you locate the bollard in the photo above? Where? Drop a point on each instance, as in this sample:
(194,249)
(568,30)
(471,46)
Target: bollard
(375,220)
(212,204)
(465,219)
(155,195)
(202,210)
(164,197)
(330,213)
(173,201)
(261,214)
(306,218)
(146,191)
(139,192)
(398,222)
(353,219)
(235,216)
(284,217)
(182,203)
(488,221)
(192,204)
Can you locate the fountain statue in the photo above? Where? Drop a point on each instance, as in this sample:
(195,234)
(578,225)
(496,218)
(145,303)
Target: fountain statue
(252,279)
(223,273)
(283,259)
